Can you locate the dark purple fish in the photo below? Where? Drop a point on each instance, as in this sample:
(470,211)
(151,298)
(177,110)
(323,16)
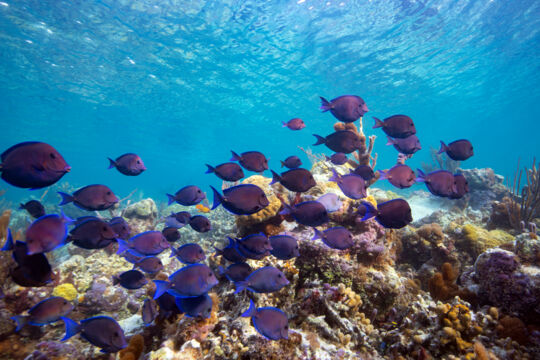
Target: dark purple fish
(120,227)
(101,331)
(401,176)
(32,165)
(343,141)
(308,213)
(292,162)
(45,312)
(131,279)
(144,244)
(149,311)
(346,108)
(251,160)
(439,183)
(284,247)
(149,264)
(236,272)
(264,280)
(365,171)
(92,234)
(408,145)
(195,307)
(352,185)
(178,220)
(458,150)
(190,281)
(200,223)
(336,238)
(91,197)
(47,233)
(244,199)
(294,124)
(230,252)
(189,253)
(270,322)
(82,219)
(297,180)
(254,246)
(171,233)
(396,126)
(228,171)
(187,196)
(337,158)
(393,214)
(128,164)
(34,208)
(462,187)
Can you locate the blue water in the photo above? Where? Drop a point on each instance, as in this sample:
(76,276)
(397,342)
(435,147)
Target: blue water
(183,82)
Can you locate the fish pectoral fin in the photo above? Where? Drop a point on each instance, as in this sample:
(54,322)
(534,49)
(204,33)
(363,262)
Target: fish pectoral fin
(38,167)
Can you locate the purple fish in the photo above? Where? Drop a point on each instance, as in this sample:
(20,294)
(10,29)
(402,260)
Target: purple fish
(34,208)
(292,162)
(297,180)
(331,202)
(92,234)
(462,187)
(128,164)
(144,244)
(101,331)
(149,311)
(393,214)
(91,197)
(254,246)
(228,171)
(190,281)
(251,160)
(284,247)
(200,223)
(337,158)
(408,145)
(47,233)
(45,312)
(396,126)
(131,279)
(294,124)
(32,165)
(120,227)
(244,199)
(439,183)
(196,307)
(308,213)
(352,185)
(457,150)
(187,196)
(171,233)
(230,252)
(189,253)
(346,108)
(401,176)
(149,264)
(270,322)
(365,171)
(336,238)
(178,220)
(264,280)
(343,141)
(236,272)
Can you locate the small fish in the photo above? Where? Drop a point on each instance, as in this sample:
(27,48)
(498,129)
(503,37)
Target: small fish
(251,160)
(343,141)
(396,126)
(264,280)
(331,202)
(149,264)
(408,145)
(244,199)
(236,272)
(336,237)
(189,253)
(458,150)
(196,307)
(296,180)
(401,176)
(34,208)
(91,197)
(120,227)
(393,214)
(92,234)
(229,171)
(101,331)
(365,171)
(284,247)
(308,213)
(230,252)
(149,311)
(187,196)
(131,279)
(253,246)
(346,108)
(47,233)
(33,165)
(200,223)
(190,281)
(178,220)
(462,187)
(439,183)
(292,162)
(171,233)
(128,164)
(338,158)
(45,312)
(143,244)
(352,185)
(270,322)
(202,208)
(294,124)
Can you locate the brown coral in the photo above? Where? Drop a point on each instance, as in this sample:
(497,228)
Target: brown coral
(442,284)
(134,349)
(513,328)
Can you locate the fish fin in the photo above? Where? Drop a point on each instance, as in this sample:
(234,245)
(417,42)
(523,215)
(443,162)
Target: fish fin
(390,141)
(235,156)
(320,140)
(282,163)
(66,198)
(122,246)
(172,199)
(112,163)
(287,209)
(275,178)
(21,206)
(284,124)
(161,288)
(66,219)
(317,235)
(218,251)
(9,241)
(335,176)
(240,285)
(174,252)
(20,320)
(210,170)
(325,104)
(72,328)
(370,211)
(383,174)
(443,148)
(250,311)
(378,123)
(115,280)
(218,198)
(421,177)
(178,302)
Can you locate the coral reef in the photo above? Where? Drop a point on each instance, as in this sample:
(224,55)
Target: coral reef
(141,216)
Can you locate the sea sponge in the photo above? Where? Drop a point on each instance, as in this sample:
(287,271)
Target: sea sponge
(67,291)
(513,328)
(476,240)
(442,285)
(134,349)
(245,221)
(433,233)
(4,223)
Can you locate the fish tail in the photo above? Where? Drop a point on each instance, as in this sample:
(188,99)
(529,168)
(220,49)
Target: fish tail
(325,104)
(421,177)
(122,246)
(317,235)
(378,123)
(172,199)
(282,163)
(390,141)
(370,211)
(335,176)
(115,280)
(21,206)
(235,156)
(66,198)
(443,148)
(284,124)
(218,251)
(287,209)
(178,302)
(112,163)
(250,311)
(72,328)
(218,199)
(9,242)
(320,140)
(20,320)
(240,285)
(275,178)
(66,219)
(174,252)
(161,288)
(210,170)
(383,174)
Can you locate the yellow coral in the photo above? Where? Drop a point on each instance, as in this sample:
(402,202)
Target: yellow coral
(266,213)
(67,291)
(476,240)
(371,199)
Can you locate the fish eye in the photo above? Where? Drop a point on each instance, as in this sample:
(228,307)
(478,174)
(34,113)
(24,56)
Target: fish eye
(210,274)
(116,334)
(138,161)
(199,191)
(52,156)
(108,193)
(104,228)
(279,275)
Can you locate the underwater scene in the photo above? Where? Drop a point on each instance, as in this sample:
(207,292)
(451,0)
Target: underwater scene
(274,179)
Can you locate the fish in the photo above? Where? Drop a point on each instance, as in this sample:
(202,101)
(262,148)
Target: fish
(270,322)
(267,279)
(254,244)
(178,220)
(331,202)
(308,213)
(171,233)
(131,279)
(190,253)
(244,199)
(353,186)
(462,187)
(187,196)
(32,165)
(338,237)
(236,272)
(34,208)
(458,150)
(338,158)
(202,208)
(401,176)
(190,281)
(167,305)
(149,311)
(345,108)
(47,233)
(149,264)
(200,223)
(196,307)
(92,234)
(120,227)
(294,124)
(229,171)
(144,244)
(408,145)
(440,183)
(365,171)
(91,198)
(128,164)
(396,126)
(284,247)
(297,180)
(101,331)
(392,214)
(251,160)
(230,252)
(45,312)
(292,162)
(343,141)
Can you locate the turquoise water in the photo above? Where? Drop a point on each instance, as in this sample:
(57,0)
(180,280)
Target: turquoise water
(183,83)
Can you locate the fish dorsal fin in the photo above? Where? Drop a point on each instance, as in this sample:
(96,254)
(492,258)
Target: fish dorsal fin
(16,146)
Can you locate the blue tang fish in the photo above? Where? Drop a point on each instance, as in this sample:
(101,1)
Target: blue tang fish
(284,247)
(187,196)
(101,331)
(200,306)
(236,272)
(190,281)
(45,312)
(264,280)
(47,233)
(244,199)
(189,253)
(144,244)
(270,322)
(230,252)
